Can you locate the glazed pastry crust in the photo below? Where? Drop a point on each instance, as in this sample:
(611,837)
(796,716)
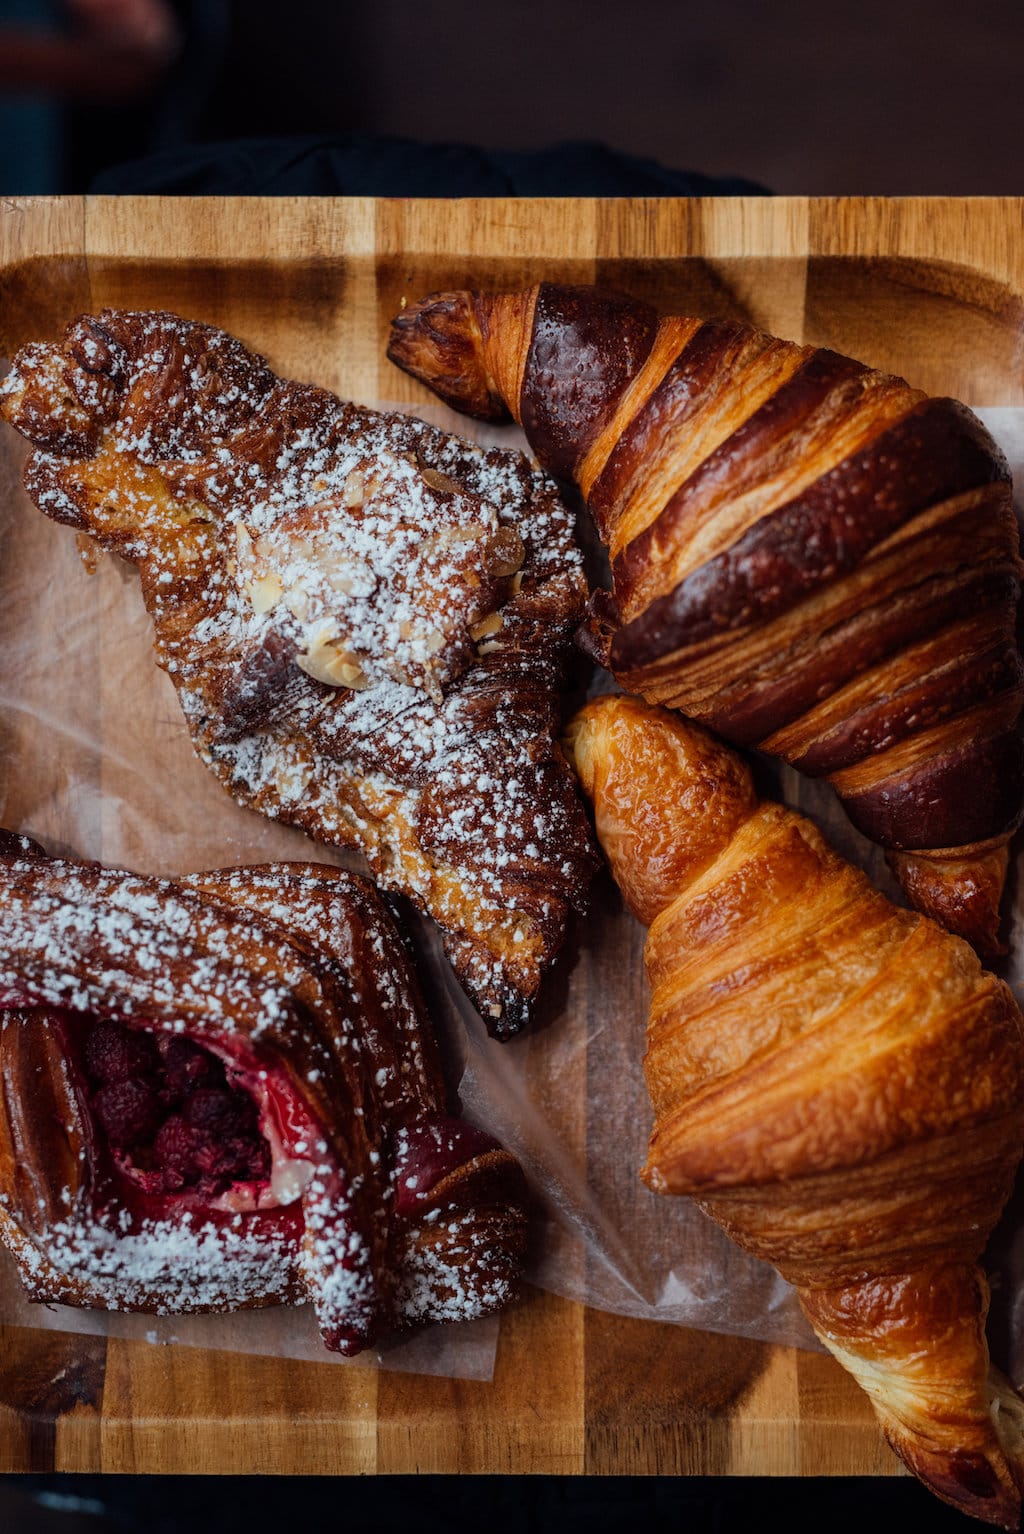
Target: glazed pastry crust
(808,556)
(366,620)
(296,977)
(835,1080)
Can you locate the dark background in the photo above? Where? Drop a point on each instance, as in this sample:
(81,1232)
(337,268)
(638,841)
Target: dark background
(913,96)
(468,1505)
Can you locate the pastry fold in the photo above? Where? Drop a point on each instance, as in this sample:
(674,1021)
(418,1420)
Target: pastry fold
(366,620)
(224,1092)
(807,555)
(835,1080)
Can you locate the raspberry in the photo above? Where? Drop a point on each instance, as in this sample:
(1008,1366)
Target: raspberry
(114,1053)
(236,1159)
(186,1067)
(220,1111)
(129,1111)
(209,1139)
(197,1155)
(176,1144)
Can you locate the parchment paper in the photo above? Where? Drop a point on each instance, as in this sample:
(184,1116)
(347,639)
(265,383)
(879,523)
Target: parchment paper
(95,762)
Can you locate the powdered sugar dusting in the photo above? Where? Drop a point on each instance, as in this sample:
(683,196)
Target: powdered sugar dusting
(366,619)
(168,1266)
(310,1153)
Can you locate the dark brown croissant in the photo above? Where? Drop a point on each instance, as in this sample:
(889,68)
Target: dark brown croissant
(366,620)
(834,1079)
(807,555)
(223,1093)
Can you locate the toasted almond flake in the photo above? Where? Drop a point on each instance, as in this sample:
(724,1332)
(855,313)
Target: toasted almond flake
(506,553)
(333,665)
(353,676)
(487,625)
(443,483)
(468,534)
(297,602)
(265,592)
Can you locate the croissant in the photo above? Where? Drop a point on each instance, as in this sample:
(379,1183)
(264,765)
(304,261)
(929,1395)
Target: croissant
(834,1079)
(224,1092)
(366,620)
(807,555)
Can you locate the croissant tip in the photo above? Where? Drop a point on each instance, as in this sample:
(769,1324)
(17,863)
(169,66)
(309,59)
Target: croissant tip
(963,894)
(973,1484)
(437,341)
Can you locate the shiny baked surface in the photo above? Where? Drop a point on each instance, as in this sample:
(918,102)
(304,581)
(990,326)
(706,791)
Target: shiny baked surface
(836,1080)
(807,554)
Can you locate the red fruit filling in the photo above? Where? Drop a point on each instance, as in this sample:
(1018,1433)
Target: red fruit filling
(167,1107)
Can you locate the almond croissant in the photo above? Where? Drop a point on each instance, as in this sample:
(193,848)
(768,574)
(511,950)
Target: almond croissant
(366,620)
(807,555)
(224,1092)
(835,1080)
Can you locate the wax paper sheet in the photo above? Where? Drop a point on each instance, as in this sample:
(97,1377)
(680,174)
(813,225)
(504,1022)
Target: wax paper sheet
(96,763)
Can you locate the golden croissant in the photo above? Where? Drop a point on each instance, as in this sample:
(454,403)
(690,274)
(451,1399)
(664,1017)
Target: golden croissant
(834,1079)
(366,620)
(807,555)
(224,1092)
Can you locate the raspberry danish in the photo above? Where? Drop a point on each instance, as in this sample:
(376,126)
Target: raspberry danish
(366,620)
(223,1092)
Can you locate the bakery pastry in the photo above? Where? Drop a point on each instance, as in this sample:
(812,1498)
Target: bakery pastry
(834,1079)
(366,620)
(807,555)
(224,1092)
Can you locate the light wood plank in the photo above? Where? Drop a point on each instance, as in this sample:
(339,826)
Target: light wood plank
(42,265)
(528,1420)
(180,1410)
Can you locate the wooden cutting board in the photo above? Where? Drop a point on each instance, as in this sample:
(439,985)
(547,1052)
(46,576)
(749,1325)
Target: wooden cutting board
(933,289)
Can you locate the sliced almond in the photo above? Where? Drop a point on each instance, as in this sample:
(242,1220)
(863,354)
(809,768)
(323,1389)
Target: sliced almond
(468,534)
(265,592)
(334,667)
(506,552)
(353,676)
(291,778)
(345,573)
(435,480)
(355,489)
(488,625)
(297,603)
(318,666)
